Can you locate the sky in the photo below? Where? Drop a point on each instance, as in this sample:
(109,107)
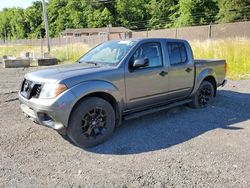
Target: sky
(15,3)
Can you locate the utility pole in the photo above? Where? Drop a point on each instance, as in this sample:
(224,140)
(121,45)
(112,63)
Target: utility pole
(41,44)
(109,27)
(210,31)
(5,40)
(5,35)
(46,24)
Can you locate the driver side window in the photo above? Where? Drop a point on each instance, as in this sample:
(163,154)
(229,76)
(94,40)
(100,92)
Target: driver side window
(150,51)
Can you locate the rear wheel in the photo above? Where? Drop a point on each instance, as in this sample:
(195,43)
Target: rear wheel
(91,122)
(204,95)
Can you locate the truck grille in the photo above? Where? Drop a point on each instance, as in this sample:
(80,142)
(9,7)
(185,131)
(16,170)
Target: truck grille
(30,89)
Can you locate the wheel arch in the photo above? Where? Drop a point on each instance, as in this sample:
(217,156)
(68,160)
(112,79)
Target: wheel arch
(106,92)
(207,74)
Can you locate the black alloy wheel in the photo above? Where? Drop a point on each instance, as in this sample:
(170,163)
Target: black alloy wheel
(91,122)
(94,123)
(204,96)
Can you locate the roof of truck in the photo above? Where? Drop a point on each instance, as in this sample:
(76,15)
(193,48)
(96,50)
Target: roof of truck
(151,39)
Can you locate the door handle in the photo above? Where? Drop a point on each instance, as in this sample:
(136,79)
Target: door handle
(163,73)
(188,69)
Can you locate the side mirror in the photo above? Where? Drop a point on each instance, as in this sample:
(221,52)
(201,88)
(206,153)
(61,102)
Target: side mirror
(142,62)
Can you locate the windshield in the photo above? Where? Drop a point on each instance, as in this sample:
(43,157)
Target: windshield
(110,53)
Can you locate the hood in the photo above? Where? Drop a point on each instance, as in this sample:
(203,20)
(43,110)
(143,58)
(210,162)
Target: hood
(59,73)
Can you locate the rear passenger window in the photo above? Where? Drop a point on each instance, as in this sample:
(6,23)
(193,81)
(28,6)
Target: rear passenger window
(177,53)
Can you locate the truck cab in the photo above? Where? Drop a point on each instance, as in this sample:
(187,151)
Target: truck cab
(169,74)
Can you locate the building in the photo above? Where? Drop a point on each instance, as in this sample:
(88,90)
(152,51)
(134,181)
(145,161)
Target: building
(114,32)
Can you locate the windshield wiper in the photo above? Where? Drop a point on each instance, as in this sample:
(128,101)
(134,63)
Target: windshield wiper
(91,62)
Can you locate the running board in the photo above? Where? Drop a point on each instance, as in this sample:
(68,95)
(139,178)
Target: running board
(155,109)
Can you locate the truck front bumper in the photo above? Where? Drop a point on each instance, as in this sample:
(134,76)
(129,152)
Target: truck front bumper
(52,113)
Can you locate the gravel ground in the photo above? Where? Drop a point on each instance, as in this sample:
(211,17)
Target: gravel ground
(181,147)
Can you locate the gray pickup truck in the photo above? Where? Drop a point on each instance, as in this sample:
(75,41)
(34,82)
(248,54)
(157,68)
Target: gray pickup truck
(119,80)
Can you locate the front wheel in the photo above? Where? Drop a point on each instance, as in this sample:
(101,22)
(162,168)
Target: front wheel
(204,96)
(91,122)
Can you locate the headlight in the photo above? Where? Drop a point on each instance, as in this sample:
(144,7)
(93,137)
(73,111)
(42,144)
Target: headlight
(50,91)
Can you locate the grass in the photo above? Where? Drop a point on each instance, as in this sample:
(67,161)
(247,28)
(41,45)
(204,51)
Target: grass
(14,50)
(65,54)
(235,51)
(69,53)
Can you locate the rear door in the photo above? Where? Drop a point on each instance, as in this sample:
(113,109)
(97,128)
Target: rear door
(181,69)
(147,85)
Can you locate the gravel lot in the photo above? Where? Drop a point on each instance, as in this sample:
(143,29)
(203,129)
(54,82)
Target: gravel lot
(181,147)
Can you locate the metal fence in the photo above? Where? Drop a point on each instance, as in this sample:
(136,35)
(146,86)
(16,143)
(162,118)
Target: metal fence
(89,40)
(213,32)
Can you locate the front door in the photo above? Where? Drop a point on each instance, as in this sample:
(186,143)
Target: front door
(146,85)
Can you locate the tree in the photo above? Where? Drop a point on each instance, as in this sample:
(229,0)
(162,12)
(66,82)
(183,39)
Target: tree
(53,9)
(12,23)
(233,10)
(197,12)
(100,18)
(161,13)
(68,14)
(17,24)
(34,20)
(5,28)
(131,13)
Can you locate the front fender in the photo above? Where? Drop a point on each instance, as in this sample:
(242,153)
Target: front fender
(201,76)
(85,88)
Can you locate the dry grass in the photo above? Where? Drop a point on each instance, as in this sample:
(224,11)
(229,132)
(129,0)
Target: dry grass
(15,50)
(235,51)
(65,53)
(69,53)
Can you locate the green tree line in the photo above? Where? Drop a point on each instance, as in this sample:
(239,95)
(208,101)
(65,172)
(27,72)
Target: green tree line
(18,23)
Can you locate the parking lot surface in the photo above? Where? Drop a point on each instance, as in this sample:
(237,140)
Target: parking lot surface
(180,147)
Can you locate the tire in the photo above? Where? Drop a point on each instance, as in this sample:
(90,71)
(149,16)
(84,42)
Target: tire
(204,96)
(91,123)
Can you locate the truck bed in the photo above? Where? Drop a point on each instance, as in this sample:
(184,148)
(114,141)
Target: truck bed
(216,66)
(197,61)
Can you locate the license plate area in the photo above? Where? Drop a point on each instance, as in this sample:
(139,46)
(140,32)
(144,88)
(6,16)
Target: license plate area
(28,111)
